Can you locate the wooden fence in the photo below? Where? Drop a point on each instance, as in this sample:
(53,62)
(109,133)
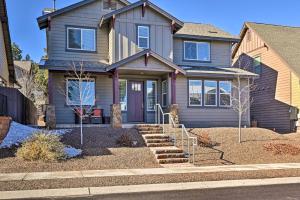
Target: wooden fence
(14,104)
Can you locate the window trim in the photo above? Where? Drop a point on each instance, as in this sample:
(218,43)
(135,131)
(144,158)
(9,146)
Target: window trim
(126,92)
(189,97)
(67,91)
(81,28)
(216,94)
(225,106)
(162,93)
(197,59)
(137,36)
(148,110)
(109,9)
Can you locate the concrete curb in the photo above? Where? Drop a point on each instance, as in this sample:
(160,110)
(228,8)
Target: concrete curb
(92,191)
(141,172)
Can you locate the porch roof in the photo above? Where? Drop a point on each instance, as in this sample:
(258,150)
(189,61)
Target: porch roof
(147,52)
(217,71)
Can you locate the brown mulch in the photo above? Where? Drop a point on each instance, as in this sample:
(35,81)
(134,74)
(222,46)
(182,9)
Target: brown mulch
(282,148)
(100,151)
(149,179)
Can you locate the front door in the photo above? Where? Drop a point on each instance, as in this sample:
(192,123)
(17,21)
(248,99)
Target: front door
(135,110)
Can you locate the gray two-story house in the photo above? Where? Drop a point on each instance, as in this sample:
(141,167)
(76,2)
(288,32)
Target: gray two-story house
(138,56)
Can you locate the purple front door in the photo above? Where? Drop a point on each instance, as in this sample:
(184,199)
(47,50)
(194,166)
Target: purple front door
(135,112)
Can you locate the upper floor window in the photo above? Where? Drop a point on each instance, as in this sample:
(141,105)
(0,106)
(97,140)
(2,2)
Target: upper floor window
(143,37)
(198,51)
(109,5)
(257,65)
(81,39)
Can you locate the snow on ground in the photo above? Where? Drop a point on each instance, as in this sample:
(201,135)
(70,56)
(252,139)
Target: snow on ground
(72,152)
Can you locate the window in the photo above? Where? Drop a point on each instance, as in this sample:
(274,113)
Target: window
(123,94)
(143,37)
(210,93)
(109,5)
(81,39)
(195,92)
(151,95)
(198,51)
(225,93)
(80,92)
(164,94)
(257,65)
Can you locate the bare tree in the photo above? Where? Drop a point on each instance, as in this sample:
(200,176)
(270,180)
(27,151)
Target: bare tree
(79,93)
(26,80)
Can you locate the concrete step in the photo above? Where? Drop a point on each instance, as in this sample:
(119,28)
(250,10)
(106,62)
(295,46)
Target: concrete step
(167,151)
(170,155)
(156,136)
(165,144)
(150,132)
(150,129)
(159,140)
(147,125)
(173,160)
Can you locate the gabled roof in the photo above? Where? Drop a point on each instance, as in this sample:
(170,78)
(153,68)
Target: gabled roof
(148,52)
(7,41)
(204,31)
(283,40)
(43,20)
(106,17)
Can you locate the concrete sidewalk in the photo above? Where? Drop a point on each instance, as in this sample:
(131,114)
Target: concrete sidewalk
(92,191)
(140,172)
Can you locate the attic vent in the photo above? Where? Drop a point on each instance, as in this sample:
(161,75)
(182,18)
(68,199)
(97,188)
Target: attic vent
(213,31)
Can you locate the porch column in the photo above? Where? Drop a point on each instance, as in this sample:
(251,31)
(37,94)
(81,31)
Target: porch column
(173,87)
(116,92)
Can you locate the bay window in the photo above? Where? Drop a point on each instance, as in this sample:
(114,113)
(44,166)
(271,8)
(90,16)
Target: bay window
(123,94)
(197,51)
(151,95)
(210,93)
(195,92)
(225,93)
(81,39)
(80,92)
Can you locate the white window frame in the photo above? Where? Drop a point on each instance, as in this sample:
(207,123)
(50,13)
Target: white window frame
(155,95)
(225,106)
(138,36)
(162,93)
(216,94)
(201,81)
(81,35)
(67,91)
(197,59)
(126,92)
(109,9)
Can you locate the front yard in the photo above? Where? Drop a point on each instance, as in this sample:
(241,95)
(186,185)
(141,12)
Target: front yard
(100,151)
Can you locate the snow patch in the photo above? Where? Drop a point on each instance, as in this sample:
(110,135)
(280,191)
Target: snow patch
(72,152)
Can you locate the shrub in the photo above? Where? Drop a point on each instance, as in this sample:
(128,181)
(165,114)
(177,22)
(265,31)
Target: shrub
(125,140)
(205,141)
(42,146)
(282,149)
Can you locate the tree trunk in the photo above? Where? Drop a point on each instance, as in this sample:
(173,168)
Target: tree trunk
(81,132)
(240,128)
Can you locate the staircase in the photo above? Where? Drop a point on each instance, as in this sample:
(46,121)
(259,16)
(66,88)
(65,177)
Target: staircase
(161,145)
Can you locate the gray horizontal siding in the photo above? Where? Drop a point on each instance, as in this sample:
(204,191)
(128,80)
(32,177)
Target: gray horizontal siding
(3,58)
(220,54)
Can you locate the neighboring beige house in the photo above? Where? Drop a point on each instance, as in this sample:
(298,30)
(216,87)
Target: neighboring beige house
(272,51)
(139,55)
(7,74)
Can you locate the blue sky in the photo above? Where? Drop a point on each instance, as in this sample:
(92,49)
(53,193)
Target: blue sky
(226,14)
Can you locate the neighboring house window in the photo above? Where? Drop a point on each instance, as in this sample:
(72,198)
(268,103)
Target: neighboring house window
(123,94)
(80,92)
(81,39)
(257,65)
(195,92)
(210,93)
(143,37)
(151,95)
(197,51)
(109,5)
(164,93)
(225,93)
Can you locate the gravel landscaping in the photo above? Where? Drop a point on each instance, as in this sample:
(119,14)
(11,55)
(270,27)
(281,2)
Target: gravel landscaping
(252,150)
(100,151)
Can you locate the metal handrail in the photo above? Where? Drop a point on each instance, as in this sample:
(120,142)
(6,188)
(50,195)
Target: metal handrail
(183,130)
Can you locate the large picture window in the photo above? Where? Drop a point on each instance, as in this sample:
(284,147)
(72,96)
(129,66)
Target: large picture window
(151,95)
(81,39)
(143,37)
(195,92)
(225,93)
(80,92)
(123,94)
(210,93)
(164,92)
(197,51)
